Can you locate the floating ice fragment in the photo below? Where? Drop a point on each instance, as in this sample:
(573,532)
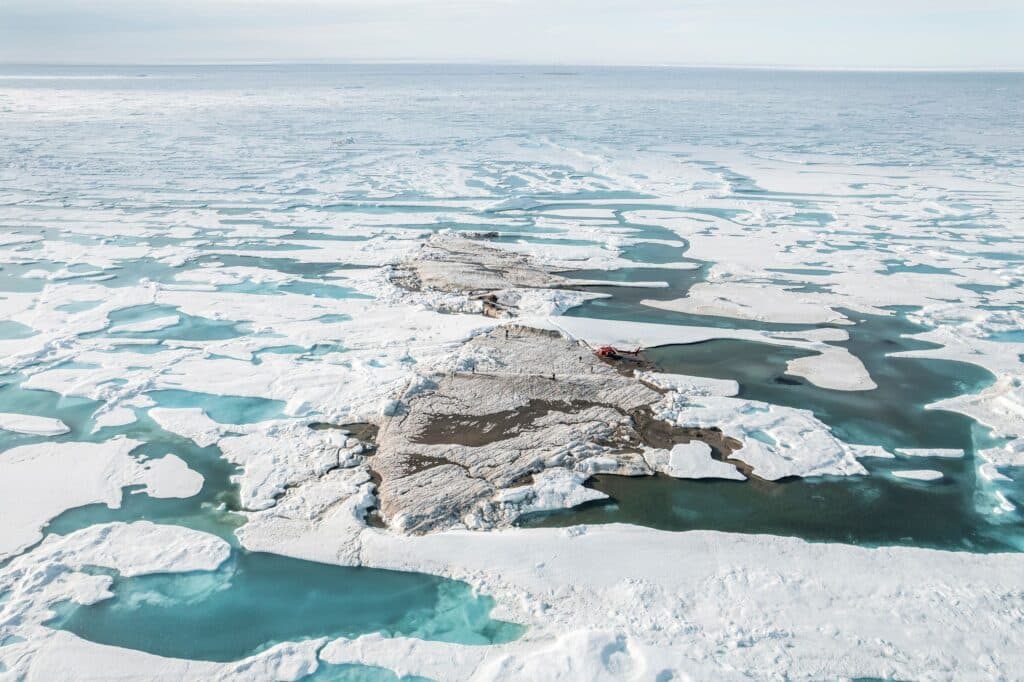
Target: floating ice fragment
(189,422)
(692,386)
(153,325)
(170,476)
(551,490)
(860,451)
(691,460)
(931,452)
(918,474)
(39,481)
(1004,506)
(32,425)
(119,416)
(751,301)
(989,472)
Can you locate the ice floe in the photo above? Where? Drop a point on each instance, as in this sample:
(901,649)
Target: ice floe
(694,386)
(777,441)
(32,425)
(169,476)
(274,457)
(52,572)
(748,301)
(788,233)
(307,521)
(930,452)
(550,490)
(620,601)
(39,481)
(152,325)
(189,422)
(691,460)
(918,474)
(117,416)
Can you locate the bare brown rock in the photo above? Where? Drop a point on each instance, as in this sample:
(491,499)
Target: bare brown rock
(530,402)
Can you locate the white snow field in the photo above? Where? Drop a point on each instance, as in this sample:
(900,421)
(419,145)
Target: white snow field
(202,307)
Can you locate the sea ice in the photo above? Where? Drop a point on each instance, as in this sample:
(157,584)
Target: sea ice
(550,490)
(169,476)
(789,231)
(32,425)
(52,572)
(154,325)
(693,386)
(307,521)
(751,302)
(777,441)
(118,416)
(931,452)
(664,600)
(280,454)
(188,422)
(832,367)
(918,474)
(691,460)
(39,481)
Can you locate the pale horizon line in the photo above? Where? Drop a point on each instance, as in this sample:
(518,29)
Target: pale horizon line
(514,63)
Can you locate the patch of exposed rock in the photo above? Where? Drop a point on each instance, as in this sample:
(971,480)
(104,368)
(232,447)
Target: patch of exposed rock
(515,422)
(459,265)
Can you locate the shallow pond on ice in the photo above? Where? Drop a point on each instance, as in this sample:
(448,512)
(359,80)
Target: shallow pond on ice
(257,600)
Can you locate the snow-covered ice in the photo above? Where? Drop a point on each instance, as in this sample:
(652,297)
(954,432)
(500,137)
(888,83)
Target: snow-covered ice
(931,452)
(234,236)
(713,602)
(918,474)
(39,481)
(777,441)
(691,460)
(32,425)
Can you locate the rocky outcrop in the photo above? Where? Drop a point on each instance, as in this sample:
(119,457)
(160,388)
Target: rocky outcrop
(460,265)
(518,418)
(470,444)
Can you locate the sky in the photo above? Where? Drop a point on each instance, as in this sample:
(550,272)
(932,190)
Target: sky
(799,33)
